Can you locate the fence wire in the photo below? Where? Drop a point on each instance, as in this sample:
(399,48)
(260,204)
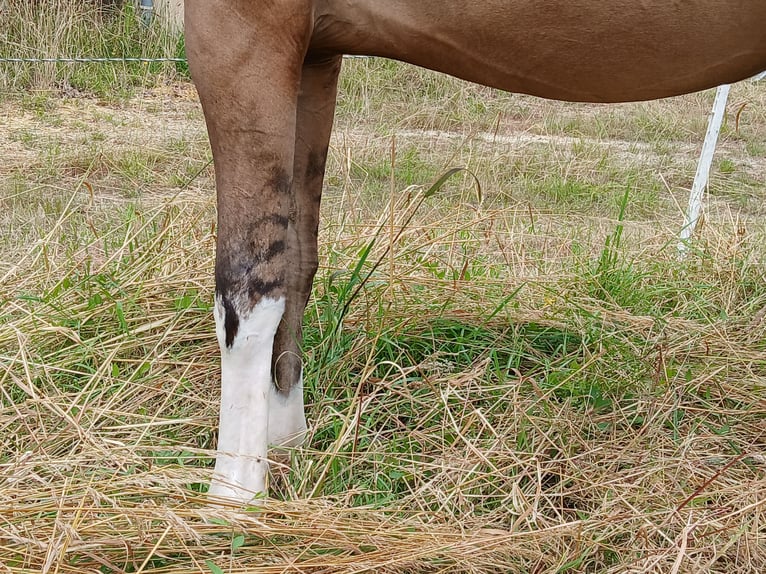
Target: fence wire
(86,60)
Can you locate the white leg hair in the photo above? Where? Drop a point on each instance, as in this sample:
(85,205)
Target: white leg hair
(287,417)
(241,465)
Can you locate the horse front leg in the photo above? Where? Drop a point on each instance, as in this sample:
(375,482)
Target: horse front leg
(246,59)
(316,107)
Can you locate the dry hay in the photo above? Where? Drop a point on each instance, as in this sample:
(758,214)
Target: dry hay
(108,418)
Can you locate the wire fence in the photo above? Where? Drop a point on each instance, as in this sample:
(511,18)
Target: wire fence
(89,60)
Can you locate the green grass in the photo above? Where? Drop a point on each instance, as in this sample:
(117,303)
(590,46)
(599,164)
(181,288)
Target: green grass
(76,29)
(532,382)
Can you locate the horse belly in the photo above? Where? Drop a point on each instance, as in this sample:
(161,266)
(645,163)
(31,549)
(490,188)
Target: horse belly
(579,50)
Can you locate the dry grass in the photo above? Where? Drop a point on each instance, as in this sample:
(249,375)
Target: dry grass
(82,29)
(496,400)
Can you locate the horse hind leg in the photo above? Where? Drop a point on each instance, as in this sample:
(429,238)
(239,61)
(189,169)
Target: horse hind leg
(316,107)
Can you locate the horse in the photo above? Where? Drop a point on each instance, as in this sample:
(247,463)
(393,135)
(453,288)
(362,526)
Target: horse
(266,72)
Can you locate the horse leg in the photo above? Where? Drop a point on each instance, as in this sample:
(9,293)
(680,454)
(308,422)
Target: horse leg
(246,62)
(316,107)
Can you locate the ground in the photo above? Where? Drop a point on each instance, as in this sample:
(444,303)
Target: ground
(530,380)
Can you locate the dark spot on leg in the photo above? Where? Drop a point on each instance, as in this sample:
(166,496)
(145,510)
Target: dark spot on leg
(258,288)
(273,219)
(274,249)
(280,181)
(315,166)
(231,321)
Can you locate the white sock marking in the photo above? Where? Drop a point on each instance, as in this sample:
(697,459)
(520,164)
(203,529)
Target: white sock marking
(241,465)
(287,418)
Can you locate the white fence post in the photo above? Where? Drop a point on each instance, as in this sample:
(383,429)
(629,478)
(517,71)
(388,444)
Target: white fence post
(703,167)
(171,12)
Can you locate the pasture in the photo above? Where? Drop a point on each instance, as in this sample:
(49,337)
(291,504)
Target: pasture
(515,376)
